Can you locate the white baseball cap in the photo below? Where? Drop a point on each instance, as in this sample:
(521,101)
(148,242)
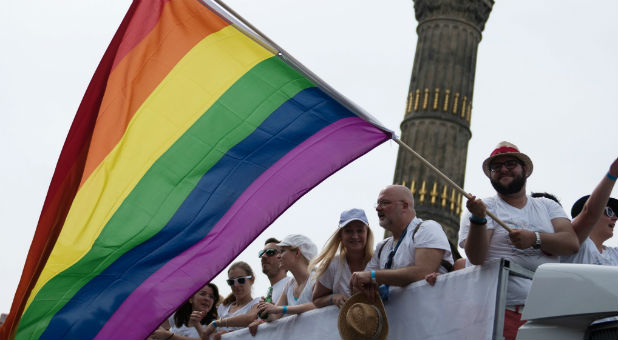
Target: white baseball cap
(302,242)
(350,215)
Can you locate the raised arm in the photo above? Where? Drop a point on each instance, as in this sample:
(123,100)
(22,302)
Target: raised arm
(592,210)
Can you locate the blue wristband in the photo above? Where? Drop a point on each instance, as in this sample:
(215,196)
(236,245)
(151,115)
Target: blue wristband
(285,309)
(478,220)
(214,323)
(613,178)
(373,276)
(331,298)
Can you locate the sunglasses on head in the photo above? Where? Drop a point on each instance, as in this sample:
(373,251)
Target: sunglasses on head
(241,280)
(269,252)
(609,212)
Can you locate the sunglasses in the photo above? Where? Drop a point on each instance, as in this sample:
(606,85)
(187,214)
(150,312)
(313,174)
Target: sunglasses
(241,280)
(268,252)
(609,212)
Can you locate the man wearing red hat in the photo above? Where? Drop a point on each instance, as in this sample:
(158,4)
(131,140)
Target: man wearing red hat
(540,229)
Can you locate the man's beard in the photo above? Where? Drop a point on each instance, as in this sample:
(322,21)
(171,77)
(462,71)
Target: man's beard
(511,188)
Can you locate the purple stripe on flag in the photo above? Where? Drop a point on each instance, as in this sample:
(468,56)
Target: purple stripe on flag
(264,200)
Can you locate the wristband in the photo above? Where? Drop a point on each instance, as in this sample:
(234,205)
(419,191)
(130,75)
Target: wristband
(285,309)
(478,220)
(613,178)
(373,276)
(331,298)
(214,323)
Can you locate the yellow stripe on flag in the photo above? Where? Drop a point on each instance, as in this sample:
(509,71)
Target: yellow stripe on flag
(192,87)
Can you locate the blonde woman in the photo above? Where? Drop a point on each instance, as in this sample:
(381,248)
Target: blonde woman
(347,251)
(297,251)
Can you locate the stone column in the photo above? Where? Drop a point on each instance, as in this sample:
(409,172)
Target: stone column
(439,107)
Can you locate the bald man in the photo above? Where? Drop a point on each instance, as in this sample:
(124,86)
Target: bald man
(417,247)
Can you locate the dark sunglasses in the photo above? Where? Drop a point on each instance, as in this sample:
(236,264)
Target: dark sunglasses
(609,212)
(268,252)
(241,280)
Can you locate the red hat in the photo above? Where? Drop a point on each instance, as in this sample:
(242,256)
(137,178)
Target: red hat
(507,149)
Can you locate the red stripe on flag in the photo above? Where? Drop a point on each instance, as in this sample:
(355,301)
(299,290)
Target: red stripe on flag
(65,181)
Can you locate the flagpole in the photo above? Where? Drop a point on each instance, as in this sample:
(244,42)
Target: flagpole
(437,171)
(240,23)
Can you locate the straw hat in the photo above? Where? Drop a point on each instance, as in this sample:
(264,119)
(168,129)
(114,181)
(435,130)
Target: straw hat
(360,318)
(507,149)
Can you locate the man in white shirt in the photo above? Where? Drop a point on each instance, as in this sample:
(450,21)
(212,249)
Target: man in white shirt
(416,248)
(541,230)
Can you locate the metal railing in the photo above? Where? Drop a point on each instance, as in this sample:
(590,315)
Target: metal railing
(506,268)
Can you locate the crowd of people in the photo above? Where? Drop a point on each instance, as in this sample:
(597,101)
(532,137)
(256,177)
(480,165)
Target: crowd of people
(539,231)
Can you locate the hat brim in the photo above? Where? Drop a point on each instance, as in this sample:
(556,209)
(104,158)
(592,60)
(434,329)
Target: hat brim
(343,224)
(349,333)
(521,156)
(577,207)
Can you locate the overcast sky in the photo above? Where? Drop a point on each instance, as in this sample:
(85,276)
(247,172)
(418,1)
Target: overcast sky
(546,80)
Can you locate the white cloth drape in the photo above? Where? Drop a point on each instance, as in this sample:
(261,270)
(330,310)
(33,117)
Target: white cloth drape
(460,306)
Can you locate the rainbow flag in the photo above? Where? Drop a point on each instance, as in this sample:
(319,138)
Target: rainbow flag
(191,139)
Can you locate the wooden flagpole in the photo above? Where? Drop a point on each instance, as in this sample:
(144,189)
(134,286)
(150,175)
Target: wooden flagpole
(437,171)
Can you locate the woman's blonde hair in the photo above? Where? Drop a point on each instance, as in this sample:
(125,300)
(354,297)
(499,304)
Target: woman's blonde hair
(244,266)
(322,261)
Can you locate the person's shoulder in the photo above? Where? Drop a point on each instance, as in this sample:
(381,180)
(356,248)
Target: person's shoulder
(431,224)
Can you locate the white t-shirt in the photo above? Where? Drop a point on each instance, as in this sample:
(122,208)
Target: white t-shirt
(337,276)
(183,330)
(429,235)
(224,312)
(278,288)
(306,295)
(536,215)
(589,254)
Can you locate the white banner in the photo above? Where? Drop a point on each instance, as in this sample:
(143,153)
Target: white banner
(460,306)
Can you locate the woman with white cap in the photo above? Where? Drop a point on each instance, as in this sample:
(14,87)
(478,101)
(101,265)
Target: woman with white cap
(296,253)
(348,250)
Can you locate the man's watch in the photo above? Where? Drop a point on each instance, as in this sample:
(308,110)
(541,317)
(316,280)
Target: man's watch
(537,244)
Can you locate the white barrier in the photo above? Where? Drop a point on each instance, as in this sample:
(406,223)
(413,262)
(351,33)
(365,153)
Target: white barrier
(460,306)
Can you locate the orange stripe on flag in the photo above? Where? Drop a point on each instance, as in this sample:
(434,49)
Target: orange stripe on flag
(184,24)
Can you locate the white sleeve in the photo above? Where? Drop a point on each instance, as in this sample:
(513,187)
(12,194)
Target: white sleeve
(554,209)
(328,276)
(431,235)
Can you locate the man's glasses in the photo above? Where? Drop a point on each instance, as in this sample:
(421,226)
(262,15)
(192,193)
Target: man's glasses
(269,252)
(241,280)
(510,165)
(384,203)
(609,212)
